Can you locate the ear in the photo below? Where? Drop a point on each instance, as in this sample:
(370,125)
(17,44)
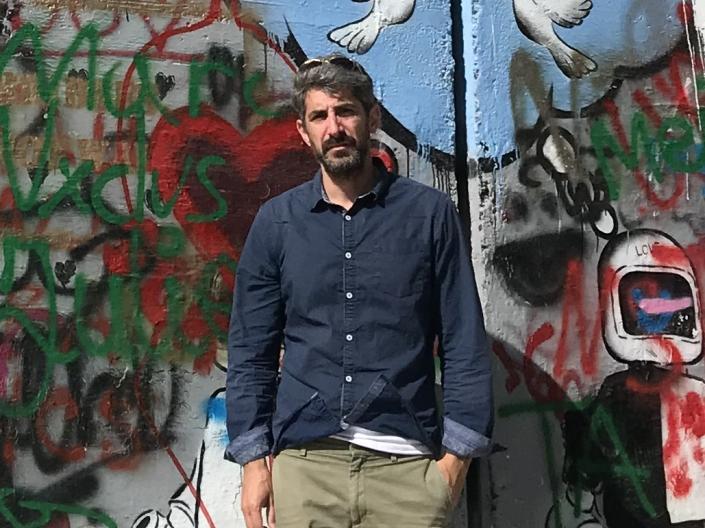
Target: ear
(302,132)
(375,118)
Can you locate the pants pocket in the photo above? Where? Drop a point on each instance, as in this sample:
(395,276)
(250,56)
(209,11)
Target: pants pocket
(439,484)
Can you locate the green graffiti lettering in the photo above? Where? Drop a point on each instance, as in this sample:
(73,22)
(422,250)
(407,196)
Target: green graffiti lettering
(171,242)
(25,203)
(70,188)
(116,340)
(201,170)
(602,420)
(44,338)
(676,137)
(248,94)
(197,71)
(113,172)
(163,209)
(213,308)
(48,90)
(45,510)
(606,144)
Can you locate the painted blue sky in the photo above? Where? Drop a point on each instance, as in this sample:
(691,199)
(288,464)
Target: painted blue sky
(628,33)
(411,63)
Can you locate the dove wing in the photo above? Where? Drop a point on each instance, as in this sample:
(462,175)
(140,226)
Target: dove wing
(566,13)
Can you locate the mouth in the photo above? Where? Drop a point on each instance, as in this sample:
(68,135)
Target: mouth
(338,147)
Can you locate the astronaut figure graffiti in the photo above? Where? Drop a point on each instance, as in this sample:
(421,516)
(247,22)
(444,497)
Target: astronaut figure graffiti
(638,447)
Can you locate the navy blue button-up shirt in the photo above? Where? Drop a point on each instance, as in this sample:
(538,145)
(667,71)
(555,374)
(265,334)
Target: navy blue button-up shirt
(358,298)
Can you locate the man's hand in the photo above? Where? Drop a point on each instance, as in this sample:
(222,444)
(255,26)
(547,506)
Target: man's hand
(454,470)
(257,494)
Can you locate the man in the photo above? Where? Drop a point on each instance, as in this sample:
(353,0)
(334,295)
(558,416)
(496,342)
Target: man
(359,272)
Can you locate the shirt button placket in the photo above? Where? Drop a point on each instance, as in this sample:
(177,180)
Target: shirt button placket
(349,283)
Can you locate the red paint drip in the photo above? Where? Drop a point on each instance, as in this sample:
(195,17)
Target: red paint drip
(575,304)
(699,455)
(678,481)
(8,453)
(676,91)
(647,107)
(664,204)
(667,255)
(671,447)
(541,386)
(203,364)
(684,12)
(693,414)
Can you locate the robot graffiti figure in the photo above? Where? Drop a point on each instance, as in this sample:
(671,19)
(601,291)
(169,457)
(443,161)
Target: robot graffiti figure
(639,445)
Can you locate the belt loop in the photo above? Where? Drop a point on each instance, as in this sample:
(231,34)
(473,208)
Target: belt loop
(303,451)
(394,458)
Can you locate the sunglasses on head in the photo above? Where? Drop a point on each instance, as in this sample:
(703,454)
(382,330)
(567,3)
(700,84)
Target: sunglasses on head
(336,60)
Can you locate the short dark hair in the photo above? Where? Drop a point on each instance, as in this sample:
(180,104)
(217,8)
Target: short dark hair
(334,74)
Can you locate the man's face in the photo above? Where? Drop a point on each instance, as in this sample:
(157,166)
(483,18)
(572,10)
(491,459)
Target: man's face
(337,129)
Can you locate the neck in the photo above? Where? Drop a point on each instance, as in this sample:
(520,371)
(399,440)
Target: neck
(344,190)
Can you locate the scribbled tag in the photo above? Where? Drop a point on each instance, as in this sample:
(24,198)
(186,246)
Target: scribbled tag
(683,413)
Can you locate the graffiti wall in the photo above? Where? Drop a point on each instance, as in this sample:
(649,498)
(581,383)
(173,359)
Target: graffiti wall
(138,140)
(589,200)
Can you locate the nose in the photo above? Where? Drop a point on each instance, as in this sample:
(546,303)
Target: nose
(333,124)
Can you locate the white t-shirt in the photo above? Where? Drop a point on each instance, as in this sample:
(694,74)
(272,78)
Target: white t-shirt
(395,445)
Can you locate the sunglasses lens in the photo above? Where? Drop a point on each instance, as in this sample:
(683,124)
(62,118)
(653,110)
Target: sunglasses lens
(343,62)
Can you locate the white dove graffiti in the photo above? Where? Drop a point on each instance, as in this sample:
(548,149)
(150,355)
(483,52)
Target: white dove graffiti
(536,19)
(360,36)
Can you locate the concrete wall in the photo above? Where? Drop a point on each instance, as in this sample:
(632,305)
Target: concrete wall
(138,141)
(585,127)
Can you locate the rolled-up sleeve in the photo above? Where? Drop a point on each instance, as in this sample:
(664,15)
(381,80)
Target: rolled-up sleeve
(463,348)
(254,339)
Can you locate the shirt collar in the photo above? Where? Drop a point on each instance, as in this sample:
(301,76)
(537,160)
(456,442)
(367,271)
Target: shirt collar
(378,193)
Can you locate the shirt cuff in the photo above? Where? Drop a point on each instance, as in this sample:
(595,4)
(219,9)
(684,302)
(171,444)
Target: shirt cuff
(255,443)
(463,441)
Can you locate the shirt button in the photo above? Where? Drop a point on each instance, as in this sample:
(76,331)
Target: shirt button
(348,217)
(349,337)
(349,295)
(348,255)
(348,378)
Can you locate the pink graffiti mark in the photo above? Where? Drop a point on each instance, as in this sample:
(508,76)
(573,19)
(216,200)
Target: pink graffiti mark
(657,305)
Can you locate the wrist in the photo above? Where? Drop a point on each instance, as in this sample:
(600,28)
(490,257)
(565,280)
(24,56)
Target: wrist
(456,460)
(259,464)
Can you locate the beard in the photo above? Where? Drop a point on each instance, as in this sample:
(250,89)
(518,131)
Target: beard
(344,162)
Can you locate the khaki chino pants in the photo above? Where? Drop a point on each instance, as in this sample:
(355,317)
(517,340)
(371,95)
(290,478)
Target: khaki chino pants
(332,484)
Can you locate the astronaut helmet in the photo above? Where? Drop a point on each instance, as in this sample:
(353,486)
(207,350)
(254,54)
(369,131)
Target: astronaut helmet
(649,300)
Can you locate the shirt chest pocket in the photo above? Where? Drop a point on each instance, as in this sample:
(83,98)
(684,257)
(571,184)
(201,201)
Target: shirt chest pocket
(402,268)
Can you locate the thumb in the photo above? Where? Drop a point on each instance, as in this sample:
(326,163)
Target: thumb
(271,517)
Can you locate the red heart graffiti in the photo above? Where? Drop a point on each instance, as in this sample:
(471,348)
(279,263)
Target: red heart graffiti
(269,160)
